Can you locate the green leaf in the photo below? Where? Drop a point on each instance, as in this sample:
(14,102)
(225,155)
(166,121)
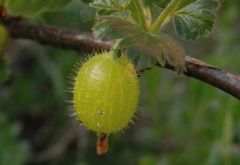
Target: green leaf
(161,47)
(119,20)
(111,8)
(194,19)
(110,4)
(30,8)
(112,27)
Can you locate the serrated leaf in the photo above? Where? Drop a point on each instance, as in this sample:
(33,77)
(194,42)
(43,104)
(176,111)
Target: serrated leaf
(110,4)
(125,13)
(159,46)
(194,19)
(141,60)
(110,27)
(30,8)
(111,8)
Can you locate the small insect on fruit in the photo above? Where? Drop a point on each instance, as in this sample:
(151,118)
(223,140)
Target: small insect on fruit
(105,95)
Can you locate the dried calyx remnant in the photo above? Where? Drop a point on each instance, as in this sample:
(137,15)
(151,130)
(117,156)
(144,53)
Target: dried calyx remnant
(105,96)
(102,143)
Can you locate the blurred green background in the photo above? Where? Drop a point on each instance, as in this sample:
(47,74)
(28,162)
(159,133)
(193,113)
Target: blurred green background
(180,120)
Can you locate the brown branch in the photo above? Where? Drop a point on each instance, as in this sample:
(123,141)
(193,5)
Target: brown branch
(71,40)
(219,78)
(50,36)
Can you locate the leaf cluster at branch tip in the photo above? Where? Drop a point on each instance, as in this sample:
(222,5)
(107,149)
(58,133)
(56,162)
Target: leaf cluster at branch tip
(131,22)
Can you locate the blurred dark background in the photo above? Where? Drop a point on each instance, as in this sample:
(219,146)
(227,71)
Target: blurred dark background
(180,121)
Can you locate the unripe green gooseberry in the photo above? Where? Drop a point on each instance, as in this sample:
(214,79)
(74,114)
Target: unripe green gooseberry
(106,92)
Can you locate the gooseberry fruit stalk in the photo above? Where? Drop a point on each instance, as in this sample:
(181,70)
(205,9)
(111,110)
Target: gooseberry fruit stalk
(106,92)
